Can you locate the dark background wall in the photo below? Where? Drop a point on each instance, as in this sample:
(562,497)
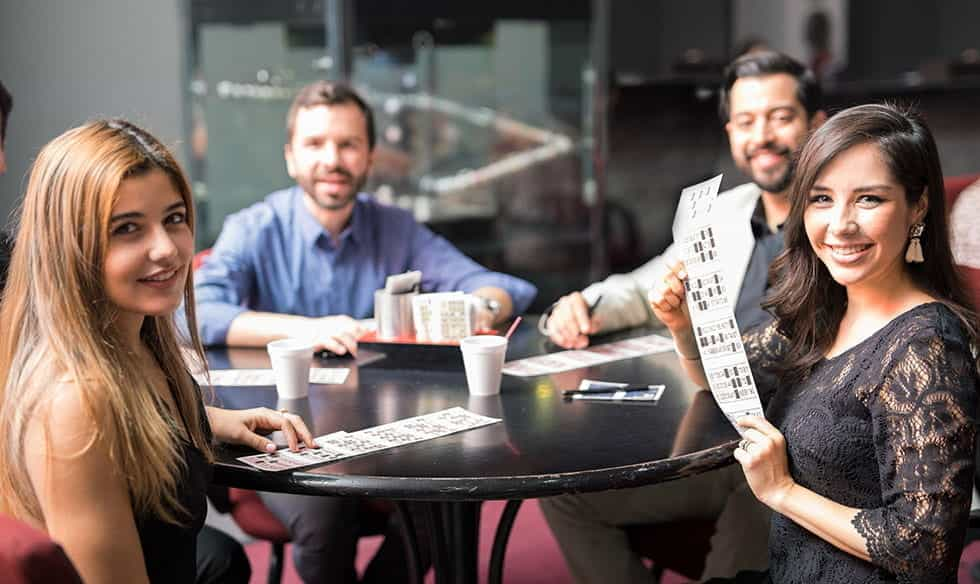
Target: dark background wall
(67,61)
(665,132)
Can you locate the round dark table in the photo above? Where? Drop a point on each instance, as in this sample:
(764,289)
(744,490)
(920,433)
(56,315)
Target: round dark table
(544,445)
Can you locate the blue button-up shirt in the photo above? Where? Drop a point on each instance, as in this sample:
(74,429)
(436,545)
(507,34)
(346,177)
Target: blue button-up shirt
(275,257)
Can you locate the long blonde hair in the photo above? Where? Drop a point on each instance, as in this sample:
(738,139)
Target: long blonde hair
(57,323)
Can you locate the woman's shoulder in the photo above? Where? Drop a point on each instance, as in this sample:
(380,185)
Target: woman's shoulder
(930,322)
(64,406)
(929,337)
(63,437)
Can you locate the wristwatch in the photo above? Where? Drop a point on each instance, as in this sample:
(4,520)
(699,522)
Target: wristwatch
(493,306)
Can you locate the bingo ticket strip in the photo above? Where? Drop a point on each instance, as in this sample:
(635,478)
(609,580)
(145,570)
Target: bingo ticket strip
(341,445)
(718,337)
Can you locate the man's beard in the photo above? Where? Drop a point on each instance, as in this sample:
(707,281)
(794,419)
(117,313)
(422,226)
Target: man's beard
(780,183)
(337,202)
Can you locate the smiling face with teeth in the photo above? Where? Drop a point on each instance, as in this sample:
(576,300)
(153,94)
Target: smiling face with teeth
(857,219)
(150,248)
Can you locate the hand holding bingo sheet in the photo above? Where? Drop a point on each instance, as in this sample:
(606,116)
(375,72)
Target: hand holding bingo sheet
(718,337)
(341,445)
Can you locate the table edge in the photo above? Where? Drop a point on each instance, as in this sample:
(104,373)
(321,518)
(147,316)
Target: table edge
(477,488)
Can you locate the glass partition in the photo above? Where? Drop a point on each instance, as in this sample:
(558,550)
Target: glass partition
(492,117)
(480,121)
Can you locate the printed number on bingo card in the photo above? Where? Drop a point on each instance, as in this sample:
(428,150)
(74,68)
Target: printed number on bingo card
(708,291)
(731,382)
(718,337)
(701,247)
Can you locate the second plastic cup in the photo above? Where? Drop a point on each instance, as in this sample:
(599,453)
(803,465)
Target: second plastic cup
(483,360)
(291,366)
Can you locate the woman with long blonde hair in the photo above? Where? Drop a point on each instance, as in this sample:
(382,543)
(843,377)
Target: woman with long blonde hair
(106,441)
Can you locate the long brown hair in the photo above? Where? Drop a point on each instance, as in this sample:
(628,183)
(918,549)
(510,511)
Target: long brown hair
(58,322)
(805,299)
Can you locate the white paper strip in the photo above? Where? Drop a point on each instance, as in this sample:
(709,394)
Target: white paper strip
(339,445)
(568,360)
(718,337)
(259,377)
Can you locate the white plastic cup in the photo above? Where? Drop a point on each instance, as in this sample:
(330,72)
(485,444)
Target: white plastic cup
(483,360)
(290,360)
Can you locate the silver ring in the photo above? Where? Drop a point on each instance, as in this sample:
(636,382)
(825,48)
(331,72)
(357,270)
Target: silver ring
(744,444)
(284,411)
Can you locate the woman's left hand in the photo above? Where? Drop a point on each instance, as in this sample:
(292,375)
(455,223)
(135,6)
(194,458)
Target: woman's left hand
(762,454)
(247,426)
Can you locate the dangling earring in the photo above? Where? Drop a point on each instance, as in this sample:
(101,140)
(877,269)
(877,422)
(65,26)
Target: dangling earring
(913,254)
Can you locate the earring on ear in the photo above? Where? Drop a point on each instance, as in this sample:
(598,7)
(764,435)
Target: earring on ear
(913,254)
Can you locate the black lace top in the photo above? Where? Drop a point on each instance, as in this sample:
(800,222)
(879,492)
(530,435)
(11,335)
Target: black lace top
(886,427)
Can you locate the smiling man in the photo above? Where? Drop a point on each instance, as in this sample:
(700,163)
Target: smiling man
(769,104)
(305,263)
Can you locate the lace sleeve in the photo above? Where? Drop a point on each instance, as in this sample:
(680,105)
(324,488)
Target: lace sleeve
(923,422)
(764,347)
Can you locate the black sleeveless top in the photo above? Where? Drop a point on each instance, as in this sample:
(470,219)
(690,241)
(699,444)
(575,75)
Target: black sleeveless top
(169,550)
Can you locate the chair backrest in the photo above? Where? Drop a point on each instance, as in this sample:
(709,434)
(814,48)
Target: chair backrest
(29,556)
(199,258)
(954,186)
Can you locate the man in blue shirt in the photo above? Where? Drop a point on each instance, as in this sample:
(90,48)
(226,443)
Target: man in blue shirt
(305,263)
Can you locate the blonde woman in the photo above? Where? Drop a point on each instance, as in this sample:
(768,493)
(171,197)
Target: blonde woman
(106,442)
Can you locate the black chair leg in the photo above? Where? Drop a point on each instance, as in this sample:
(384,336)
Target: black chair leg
(441,562)
(411,542)
(499,550)
(276,563)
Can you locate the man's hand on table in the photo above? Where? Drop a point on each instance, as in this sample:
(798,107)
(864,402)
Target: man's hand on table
(570,324)
(337,334)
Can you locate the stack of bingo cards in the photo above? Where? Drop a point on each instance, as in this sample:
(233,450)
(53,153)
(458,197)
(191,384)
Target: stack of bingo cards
(443,316)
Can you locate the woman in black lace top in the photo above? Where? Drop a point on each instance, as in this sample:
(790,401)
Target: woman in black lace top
(868,370)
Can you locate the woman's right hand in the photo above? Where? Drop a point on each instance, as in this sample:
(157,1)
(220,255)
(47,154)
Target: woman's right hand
(668,301)
(669,304)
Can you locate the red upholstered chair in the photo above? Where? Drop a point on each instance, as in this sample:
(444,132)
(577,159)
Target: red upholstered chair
(199,258)
(29,556)
(954,186)
(255,519)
